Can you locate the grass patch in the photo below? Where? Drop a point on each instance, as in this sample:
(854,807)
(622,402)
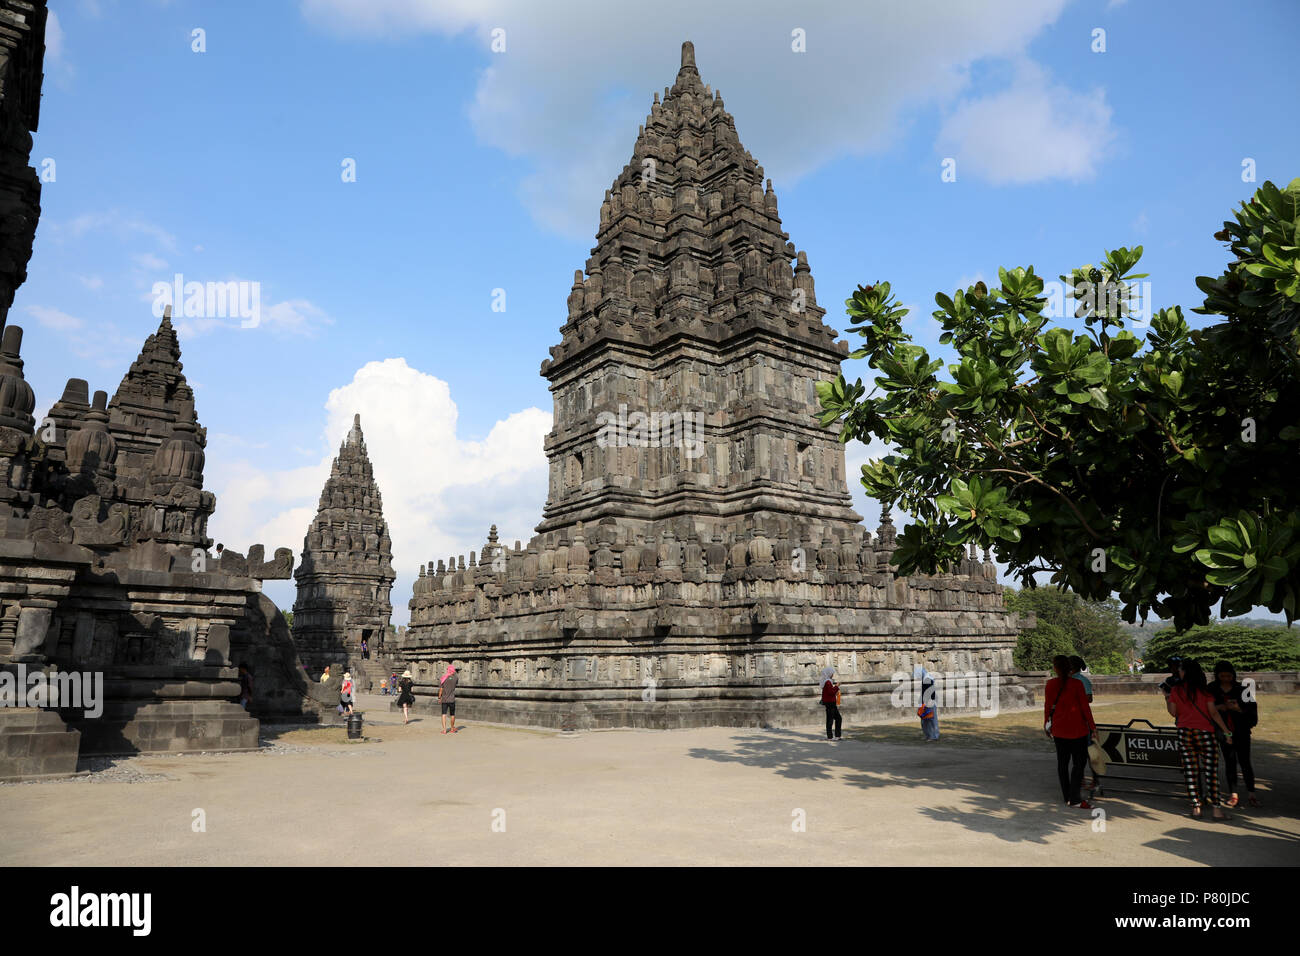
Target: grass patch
(1279,726)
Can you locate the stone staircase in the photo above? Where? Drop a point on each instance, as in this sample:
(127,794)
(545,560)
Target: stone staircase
(378,669)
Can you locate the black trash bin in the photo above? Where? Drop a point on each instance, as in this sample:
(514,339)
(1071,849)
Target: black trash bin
(354,726)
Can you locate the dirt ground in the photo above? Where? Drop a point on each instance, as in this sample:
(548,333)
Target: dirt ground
(985,794)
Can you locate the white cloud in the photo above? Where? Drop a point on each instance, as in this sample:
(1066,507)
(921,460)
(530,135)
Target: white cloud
(1032,131)
(573,83)
(102,341)
(294,316)
(55,319)
(441,491)
(290,317)
(147,260)
(53,39)
(94,283)
(193,327)
(118,223)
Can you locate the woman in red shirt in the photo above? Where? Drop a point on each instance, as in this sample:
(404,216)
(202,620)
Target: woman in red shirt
(830,700)
(1068,719)
(1191,705)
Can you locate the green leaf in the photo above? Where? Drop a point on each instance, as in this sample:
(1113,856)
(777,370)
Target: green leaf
(1224,536)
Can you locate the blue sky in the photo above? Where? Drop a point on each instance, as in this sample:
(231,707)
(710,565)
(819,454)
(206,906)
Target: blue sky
(479,170)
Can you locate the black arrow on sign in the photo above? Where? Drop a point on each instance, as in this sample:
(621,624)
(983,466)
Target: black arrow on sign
(1111,746)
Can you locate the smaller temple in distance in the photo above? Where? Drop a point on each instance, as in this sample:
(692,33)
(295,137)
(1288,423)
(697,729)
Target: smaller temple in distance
(345,579)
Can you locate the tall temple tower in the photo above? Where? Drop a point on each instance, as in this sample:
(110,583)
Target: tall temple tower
(698,560)
(345,579)
(684,382)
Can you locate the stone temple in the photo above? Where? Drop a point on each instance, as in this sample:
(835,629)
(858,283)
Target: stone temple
(698,560)
(345,579)
(108,586)
(105,568)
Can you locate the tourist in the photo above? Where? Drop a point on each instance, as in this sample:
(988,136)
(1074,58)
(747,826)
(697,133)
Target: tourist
(1174,679)
(929,709)
(447,697)
(347,694)
(1077,668)
(1191,705)
(1240,715)
(831,701)
(245,685)
(365,650)
(407,697)
(325,675)
(1068,721)
(383,686)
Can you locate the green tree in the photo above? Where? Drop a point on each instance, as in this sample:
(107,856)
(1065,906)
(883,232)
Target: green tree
(1247,648)
(288,618)
(1036,646)
(1161,469)
(1090,629)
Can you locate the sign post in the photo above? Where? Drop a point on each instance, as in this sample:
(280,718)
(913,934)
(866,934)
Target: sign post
(1134,747)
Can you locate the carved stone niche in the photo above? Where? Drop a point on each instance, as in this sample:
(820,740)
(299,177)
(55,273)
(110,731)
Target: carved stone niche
(570,623)
(33,628)
(218,646)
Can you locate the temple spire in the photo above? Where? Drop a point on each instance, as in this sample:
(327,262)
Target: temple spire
(154,387)
(690,237)
(346,576)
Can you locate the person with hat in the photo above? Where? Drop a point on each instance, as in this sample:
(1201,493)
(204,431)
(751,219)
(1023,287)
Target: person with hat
(347,694)
(447,698)
(407,696)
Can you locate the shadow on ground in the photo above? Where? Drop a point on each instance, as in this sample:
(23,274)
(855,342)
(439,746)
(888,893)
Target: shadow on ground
(1005,786)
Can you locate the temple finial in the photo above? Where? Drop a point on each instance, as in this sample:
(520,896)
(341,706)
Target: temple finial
(688,55)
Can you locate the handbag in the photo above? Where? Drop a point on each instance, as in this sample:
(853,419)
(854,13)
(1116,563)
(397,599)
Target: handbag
(839,697)
(924,712)
(1097,757)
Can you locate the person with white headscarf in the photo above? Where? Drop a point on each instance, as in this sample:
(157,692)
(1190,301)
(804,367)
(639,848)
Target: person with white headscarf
(928,710)
(831,700)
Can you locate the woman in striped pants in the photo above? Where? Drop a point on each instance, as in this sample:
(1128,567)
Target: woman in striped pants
(1191,705)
